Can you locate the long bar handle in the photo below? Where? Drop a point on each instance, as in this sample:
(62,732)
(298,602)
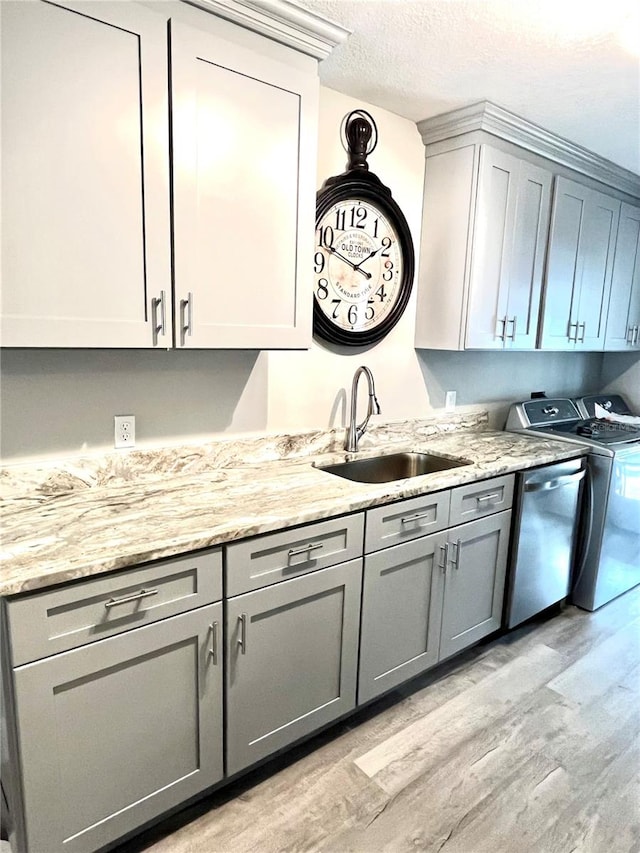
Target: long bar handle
(636,335)
(502,334)
(580,338)
(548,485)
(572,339)
(631,333)
(445,557)
(513,320)
(407,519)
(305,549)
(159,315)
(213,651)
(455,561)
(144,593)
(186,311)
(492,496)
(242,635)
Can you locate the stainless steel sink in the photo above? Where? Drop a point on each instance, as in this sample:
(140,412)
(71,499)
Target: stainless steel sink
(394,466)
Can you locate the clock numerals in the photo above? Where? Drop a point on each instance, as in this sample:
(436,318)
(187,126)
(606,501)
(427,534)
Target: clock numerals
(360,273)
(326,236)
(323,288)
(381,293)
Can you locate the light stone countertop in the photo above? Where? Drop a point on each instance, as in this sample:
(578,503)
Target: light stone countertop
(80,518)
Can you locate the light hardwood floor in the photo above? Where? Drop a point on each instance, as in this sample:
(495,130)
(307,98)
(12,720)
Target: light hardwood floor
(530,742)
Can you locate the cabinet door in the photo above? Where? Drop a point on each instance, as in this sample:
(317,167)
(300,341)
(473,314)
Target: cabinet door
(85,226)
(597,250)
(474,582)
(579,267)
(512,216)
(623,321)
(292,652)
(116,732)
(244,139)
(401,612)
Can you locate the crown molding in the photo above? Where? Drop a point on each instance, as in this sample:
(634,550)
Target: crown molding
(281,20)
(493,119)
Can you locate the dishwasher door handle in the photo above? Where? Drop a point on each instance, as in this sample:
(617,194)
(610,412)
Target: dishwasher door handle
(556,483)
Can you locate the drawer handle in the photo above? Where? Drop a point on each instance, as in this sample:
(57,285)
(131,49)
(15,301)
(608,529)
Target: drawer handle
(493,496)
(144,593)
(295,552)
(242,633)
(409,518)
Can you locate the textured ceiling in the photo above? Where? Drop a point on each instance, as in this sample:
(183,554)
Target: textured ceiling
(570,66)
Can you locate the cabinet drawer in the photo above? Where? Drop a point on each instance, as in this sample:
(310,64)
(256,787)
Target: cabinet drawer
(406,520)
(263,560)
(479,499)
(57,620)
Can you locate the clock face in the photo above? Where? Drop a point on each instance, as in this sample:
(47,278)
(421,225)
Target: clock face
(359,271)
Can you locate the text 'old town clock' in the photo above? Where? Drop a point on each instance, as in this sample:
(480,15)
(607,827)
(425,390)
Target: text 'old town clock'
(364,258)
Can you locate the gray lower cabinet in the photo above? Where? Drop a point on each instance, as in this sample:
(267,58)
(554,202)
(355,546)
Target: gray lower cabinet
(401,614)
(474,582)
(292,655)
(427,599)
(114,733)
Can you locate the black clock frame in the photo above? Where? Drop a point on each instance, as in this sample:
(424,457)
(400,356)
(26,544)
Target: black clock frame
(364,185)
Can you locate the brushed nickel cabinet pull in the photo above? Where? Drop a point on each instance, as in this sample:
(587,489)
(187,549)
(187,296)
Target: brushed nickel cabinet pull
(456,556)
(445,557)
(407,519)
(493,496)
(305,549)
(502,334)
(242,635)
(572,339)
(213,651)
(186,312)
(580,339)
(159,314)
(513,320)
(636,335)
(631,332)
(144,593)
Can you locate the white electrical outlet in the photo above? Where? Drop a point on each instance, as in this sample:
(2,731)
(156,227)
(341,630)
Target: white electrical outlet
(124,430)
(449,400)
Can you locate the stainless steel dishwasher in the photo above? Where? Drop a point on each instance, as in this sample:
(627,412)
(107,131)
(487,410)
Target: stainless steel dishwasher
(544,538)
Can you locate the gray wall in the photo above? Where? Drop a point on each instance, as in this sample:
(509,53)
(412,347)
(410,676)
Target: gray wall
(63,401)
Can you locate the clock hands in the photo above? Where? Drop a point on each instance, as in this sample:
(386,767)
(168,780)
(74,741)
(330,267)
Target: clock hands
(370,255)
(347,261)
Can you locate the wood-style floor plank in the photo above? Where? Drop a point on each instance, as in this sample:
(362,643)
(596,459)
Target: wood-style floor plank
(527,744)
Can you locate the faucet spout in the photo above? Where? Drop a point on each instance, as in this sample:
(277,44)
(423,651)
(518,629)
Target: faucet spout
(356,431)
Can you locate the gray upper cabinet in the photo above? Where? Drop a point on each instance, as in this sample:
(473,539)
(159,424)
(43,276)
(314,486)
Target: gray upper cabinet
(401,614)
(623,321)
(292,656)
(485,223)
(244,131)
(85,172)
(474,583)
(98,187)
(113,733)
(579,267)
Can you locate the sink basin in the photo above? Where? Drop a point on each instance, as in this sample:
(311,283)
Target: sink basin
(395,466)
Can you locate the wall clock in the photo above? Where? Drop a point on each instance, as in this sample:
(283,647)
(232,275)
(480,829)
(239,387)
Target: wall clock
(364,257)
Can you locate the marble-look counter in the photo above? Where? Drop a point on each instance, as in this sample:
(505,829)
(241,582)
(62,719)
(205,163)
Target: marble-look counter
(69,519)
